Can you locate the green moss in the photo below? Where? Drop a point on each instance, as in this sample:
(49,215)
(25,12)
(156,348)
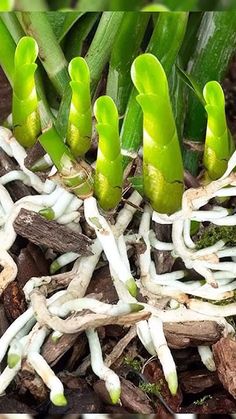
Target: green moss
(213,234)
(150,388)
(135,364)
(201,401)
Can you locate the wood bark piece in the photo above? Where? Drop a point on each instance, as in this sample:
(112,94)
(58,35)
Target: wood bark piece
(6,94)
(31,262)
(224,352)
(183,335)
(10,405)
(16,189)
(30,381)
(14,301)
(194,382)
(58,237)
(219,404)
(84,401)
(53,352)
(34,154)
(120,347)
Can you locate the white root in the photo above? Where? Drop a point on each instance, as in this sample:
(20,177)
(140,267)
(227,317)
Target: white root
(163,353)
(144,229)
(187,236)
(9,144)
(112,381)
(42,368)
(62,261)
(15,175)
(9,272)
(145,337)
(210,309)
(108,243)
(95,306)
(159,245)
(6,200)
(19,324)
(207,357)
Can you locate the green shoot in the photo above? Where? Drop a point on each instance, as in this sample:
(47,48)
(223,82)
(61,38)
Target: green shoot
(162,160)
(26,120)
(75,176)
(155,8)
(80,118)
(6,5)
(109,173)
(219,145)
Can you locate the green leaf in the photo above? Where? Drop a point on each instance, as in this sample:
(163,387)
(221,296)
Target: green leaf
(191,83)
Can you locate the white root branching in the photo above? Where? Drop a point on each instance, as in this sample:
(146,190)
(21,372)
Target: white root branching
(217,278)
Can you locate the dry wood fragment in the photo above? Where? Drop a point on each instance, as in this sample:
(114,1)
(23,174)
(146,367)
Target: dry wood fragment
(28,380)
(10,405)
(224,352)
(34,154)
(4,323)
(194,382)
(6,93)
(14,301)
(82,401)
(217,404)
(53,352)
(58,237)
(31,262)
(182,335)
(120,347)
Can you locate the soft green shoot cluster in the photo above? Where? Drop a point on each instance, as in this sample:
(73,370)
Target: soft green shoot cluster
(162,160)
(79,131)
(26,119)
(109,171)
(218,145)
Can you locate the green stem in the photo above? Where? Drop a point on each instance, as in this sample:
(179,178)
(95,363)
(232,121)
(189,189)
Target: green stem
(76,37)
(7,51)
(100,49)
(36,24)
(125,49)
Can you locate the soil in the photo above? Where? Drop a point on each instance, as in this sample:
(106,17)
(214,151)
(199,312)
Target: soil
(144,390)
